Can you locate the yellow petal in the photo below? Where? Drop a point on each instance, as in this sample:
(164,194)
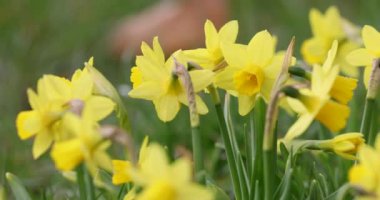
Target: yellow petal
(302,123)
(100,107)
(156,160)
(328,64)
(201,57)
(167,107)
(201,79)
(235,55)
(246,104)
(28,123)
(367,75)
(194,192)
(82,86)
(181,170)
(371,39)
(148,90)
(56,88)
(273,69)
(42,143)
(261,48)
(316,22)
(360,57)
(211,34)
(225,79)
(34,100)
(158,50)
(333,115)
(201,106)
(314,50)
(229,31)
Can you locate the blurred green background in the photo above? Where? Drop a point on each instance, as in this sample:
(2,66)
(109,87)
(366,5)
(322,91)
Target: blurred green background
(51,36)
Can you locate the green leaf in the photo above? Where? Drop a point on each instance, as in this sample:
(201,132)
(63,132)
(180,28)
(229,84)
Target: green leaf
(17,188)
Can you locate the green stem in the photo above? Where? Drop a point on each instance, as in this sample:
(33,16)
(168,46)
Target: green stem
(227,143)
(259,122)
(90,189)
(367,118)
(373,129)
(197,154)
(81,182)
(85,183)
(269,173)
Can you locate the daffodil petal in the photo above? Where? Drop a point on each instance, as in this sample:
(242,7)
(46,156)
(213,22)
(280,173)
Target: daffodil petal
(42,143)
(100,107)
(225,79)
(246,104)
(229,31)
(302,123)
(367,75)
(371,39)
(28,124)
(148,90)
(261,48)
(211,35)
(201,79)
(167,107)
(360,57)
(235,55)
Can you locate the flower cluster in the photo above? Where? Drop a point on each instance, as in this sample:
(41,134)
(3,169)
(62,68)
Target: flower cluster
(65,114)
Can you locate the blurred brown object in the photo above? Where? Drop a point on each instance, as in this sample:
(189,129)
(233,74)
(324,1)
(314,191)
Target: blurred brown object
(177,23)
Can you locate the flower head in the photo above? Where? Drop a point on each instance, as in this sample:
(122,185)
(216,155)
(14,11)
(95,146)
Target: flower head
(366,174)
(327,28)
(153,79)
(345,145)
(365,56)
(164,181)
(212,57)
(121,168)
(84,144)
(251,69)
(316,102)
(56,96)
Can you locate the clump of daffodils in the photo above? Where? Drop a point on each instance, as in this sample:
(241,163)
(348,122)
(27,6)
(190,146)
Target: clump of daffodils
(66,118)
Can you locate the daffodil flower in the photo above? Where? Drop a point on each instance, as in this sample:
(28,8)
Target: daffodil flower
(53,98)
(366,174)
(327,28)
(84,145)
(212,57)
(345,145)
(365,56)
(153,79)
(161,180)
(251,69)
(316,102)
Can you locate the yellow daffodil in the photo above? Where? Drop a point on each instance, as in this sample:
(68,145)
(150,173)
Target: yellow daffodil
(163,181)
(54,97)
(345,145)
(316,101)
(327,28)
(365,56)
(366,174)
(251,69)
(212,57)
(153,79)
(85,144)
(121,168)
